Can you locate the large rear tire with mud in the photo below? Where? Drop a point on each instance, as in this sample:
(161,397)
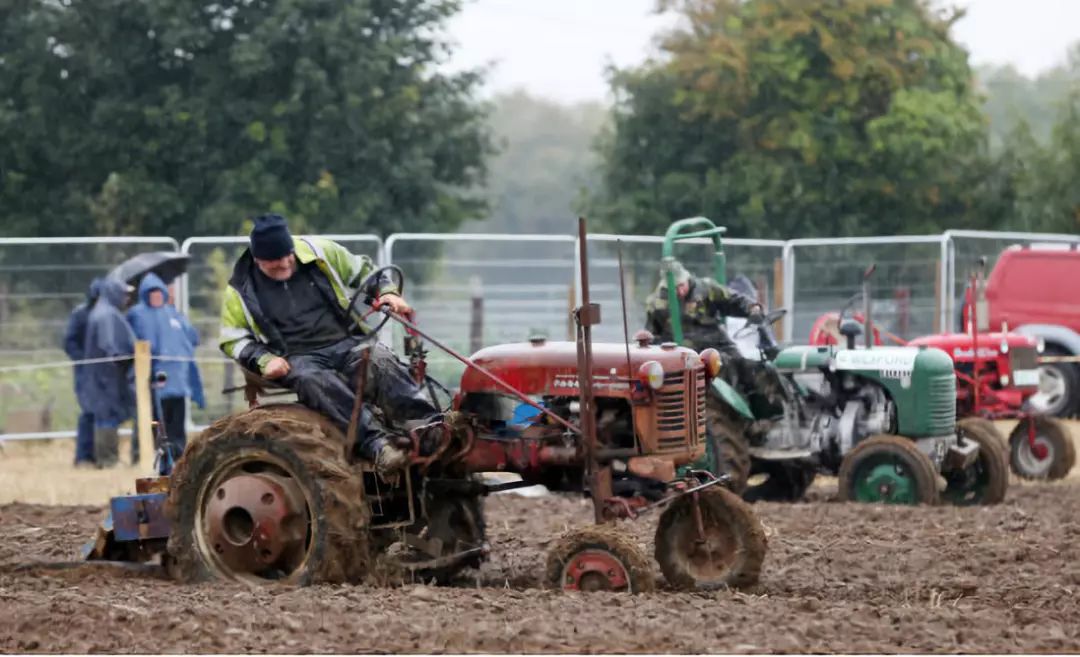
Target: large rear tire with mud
(731,553)
(727,444)
(1052,456)
(985,481)
(268,495)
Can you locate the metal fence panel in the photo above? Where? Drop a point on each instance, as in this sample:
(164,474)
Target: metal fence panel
(41,282)
(758,260)
(524,280)
(211,265)
(908,286)
(967,246)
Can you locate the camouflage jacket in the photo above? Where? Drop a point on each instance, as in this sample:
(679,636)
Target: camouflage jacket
(705,305)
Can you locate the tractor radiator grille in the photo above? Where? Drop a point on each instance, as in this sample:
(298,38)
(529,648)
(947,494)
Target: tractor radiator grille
(941,404)
(1023,358)
(680,410)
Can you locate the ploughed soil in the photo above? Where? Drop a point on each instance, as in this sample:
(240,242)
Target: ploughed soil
(838,577)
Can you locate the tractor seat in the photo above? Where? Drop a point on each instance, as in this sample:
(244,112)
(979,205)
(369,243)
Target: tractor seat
(851,328)
(255,386)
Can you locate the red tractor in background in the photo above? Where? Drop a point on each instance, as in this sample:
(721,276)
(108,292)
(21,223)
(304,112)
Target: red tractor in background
(997,374)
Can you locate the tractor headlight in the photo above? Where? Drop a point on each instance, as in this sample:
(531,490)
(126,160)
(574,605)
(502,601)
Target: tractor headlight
(1040,345)
(1005,380)
(711,358)
(692,361)
(1004,346)
(651,373)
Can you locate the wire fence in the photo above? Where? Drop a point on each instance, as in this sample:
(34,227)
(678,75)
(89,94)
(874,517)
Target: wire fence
(472,290)
(41,281)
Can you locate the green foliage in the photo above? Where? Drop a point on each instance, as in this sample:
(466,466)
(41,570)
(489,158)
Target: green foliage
(1012,98)
(1038,182)
(183,117)
(785,118)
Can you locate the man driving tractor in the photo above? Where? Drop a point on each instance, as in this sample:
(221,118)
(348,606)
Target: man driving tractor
(285,316)
(704,303)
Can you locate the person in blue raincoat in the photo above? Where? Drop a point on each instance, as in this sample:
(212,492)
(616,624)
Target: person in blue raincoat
(74,345)
(108,386)
(172,341)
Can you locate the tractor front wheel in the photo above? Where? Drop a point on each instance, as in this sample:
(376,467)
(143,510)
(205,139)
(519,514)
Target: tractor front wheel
(710,540)
(986,480)
(1052,455)
(888,469)
(267,495)
(598,558)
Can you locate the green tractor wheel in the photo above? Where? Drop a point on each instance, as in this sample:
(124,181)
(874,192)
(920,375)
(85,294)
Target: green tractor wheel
(888,469)
(986,480)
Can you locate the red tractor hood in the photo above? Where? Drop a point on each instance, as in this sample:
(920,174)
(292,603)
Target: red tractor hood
(550,368)
(960,345)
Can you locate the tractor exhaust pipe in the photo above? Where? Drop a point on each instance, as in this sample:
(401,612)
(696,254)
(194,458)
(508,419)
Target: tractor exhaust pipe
(869,325)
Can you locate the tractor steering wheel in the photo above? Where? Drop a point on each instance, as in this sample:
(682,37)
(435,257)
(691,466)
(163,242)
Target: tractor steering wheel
(397,277)
(771,318)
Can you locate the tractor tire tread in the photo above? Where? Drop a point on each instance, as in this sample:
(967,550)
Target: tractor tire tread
(991,442)
(925,473)
(317,448)
(729,444)
(1064,447)
(604,537)
(745,526)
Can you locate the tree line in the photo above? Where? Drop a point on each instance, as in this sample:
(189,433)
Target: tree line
(778,118)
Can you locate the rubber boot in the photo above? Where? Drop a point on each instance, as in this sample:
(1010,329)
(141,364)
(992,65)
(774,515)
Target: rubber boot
(106,446)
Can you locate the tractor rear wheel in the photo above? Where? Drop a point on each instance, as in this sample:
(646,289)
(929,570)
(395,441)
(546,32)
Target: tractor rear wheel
(987,426)
(727,444)
(986,480)
(888,469)
(455,525)
(1052,456)
(267,495)
(1059,386)
(730,552)
(598,558)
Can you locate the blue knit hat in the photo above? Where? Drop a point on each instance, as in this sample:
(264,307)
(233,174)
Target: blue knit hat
(270,238)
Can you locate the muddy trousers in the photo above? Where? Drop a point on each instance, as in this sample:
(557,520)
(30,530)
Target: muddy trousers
(324,380)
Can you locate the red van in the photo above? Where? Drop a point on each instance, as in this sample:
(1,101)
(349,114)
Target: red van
(1035,290)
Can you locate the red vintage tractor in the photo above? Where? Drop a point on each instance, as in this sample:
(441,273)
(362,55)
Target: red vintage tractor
(997,373)
(276,492)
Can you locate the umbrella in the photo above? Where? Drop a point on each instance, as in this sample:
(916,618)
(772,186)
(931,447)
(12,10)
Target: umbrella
(166,264)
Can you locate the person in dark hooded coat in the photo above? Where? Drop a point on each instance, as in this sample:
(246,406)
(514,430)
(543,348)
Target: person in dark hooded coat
(172,341)
(74,345)
(109,391)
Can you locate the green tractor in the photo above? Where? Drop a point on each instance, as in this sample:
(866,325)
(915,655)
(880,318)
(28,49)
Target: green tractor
(882,419)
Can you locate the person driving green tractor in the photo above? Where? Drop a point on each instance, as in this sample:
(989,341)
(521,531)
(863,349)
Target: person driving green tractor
(704,305)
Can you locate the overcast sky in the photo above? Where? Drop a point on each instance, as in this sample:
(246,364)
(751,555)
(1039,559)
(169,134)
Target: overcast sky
(559,48)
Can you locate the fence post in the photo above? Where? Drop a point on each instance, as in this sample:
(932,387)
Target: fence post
(144,415)
(778,295)
(476,318)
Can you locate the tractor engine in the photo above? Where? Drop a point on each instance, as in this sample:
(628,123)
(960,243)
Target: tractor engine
(650,412)
(837,411)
